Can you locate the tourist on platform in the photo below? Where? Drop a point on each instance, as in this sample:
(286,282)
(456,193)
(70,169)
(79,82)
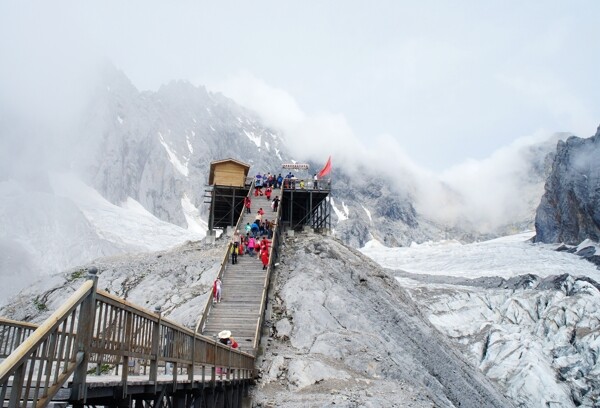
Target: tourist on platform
(241,247)
(264,243)
(234,252)
(225,338)
(217,291)
(247,204)
(258,185)
(258,218)
(264,257)
(250,246)
(268,193)
(275,203)
(279,181)
(315,182)
(248,228)
(255,228)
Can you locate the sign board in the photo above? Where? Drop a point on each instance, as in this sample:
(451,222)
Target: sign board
(301,166)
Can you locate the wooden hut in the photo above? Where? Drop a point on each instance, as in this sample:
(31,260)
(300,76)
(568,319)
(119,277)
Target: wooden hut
(228,172)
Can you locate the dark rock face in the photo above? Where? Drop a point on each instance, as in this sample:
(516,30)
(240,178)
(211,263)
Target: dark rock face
(570,208)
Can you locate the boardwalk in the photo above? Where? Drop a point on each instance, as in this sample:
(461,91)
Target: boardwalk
(243,287)
(94,330)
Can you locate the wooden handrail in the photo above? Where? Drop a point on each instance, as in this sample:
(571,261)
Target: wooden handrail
(274,245)
(8,366)
(98,327)
(15,323)
(12,334)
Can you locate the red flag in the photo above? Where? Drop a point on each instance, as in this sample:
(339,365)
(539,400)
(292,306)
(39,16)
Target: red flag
(325,170)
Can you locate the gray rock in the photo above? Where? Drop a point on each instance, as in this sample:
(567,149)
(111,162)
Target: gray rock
(569,211)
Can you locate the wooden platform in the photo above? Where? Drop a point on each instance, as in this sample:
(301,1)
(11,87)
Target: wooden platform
(242,289)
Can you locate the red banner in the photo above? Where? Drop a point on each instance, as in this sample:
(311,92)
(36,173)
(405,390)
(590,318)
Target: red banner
(325,170)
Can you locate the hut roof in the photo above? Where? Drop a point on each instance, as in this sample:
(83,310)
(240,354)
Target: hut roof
(211,176)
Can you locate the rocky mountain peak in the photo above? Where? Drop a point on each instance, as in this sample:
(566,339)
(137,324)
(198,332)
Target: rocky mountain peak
(569,211)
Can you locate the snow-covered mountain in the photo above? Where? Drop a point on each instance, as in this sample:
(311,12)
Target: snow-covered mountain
(70,199)
(156,147)
(66,193)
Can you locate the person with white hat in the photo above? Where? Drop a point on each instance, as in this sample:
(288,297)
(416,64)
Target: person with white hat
(225,338)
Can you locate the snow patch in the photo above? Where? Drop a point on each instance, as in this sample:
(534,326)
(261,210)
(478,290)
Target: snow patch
(254,138)
(179,166)
(589,243)
(506,257)
(368,213)
(192,216)
(120,119)
(189,144)
(342,216)
(131,225)
(278,154)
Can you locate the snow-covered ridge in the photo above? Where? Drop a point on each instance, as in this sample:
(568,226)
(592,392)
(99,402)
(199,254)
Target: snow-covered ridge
(67,223)
(131,224)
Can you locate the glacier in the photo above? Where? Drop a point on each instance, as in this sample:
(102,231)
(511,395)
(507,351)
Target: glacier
(527,315)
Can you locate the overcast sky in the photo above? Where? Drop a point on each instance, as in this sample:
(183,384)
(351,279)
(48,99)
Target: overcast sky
(449,80)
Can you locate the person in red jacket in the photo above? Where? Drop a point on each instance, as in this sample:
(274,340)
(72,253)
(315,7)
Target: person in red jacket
(225,338)
(264,257)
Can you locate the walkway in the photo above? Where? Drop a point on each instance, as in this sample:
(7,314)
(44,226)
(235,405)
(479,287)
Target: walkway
(244,287)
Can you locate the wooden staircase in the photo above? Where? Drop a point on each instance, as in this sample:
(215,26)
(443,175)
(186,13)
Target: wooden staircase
(242,290)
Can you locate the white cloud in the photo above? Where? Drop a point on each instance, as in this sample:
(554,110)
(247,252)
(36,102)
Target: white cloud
(494,191)
(315,135)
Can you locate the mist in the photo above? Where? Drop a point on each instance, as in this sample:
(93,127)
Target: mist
(480,195)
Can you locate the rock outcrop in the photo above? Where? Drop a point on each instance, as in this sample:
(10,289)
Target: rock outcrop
(345,333)
(570,208)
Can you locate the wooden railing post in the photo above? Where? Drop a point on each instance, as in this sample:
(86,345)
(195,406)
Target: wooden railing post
(85,326)
(127,347)
(155,347)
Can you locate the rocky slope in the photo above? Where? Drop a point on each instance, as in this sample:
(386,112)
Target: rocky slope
(179,281)
(344,333)
(570,208)
(538,338)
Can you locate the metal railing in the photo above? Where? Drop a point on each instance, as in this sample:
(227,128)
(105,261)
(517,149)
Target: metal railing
(306,184)
(99,329)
